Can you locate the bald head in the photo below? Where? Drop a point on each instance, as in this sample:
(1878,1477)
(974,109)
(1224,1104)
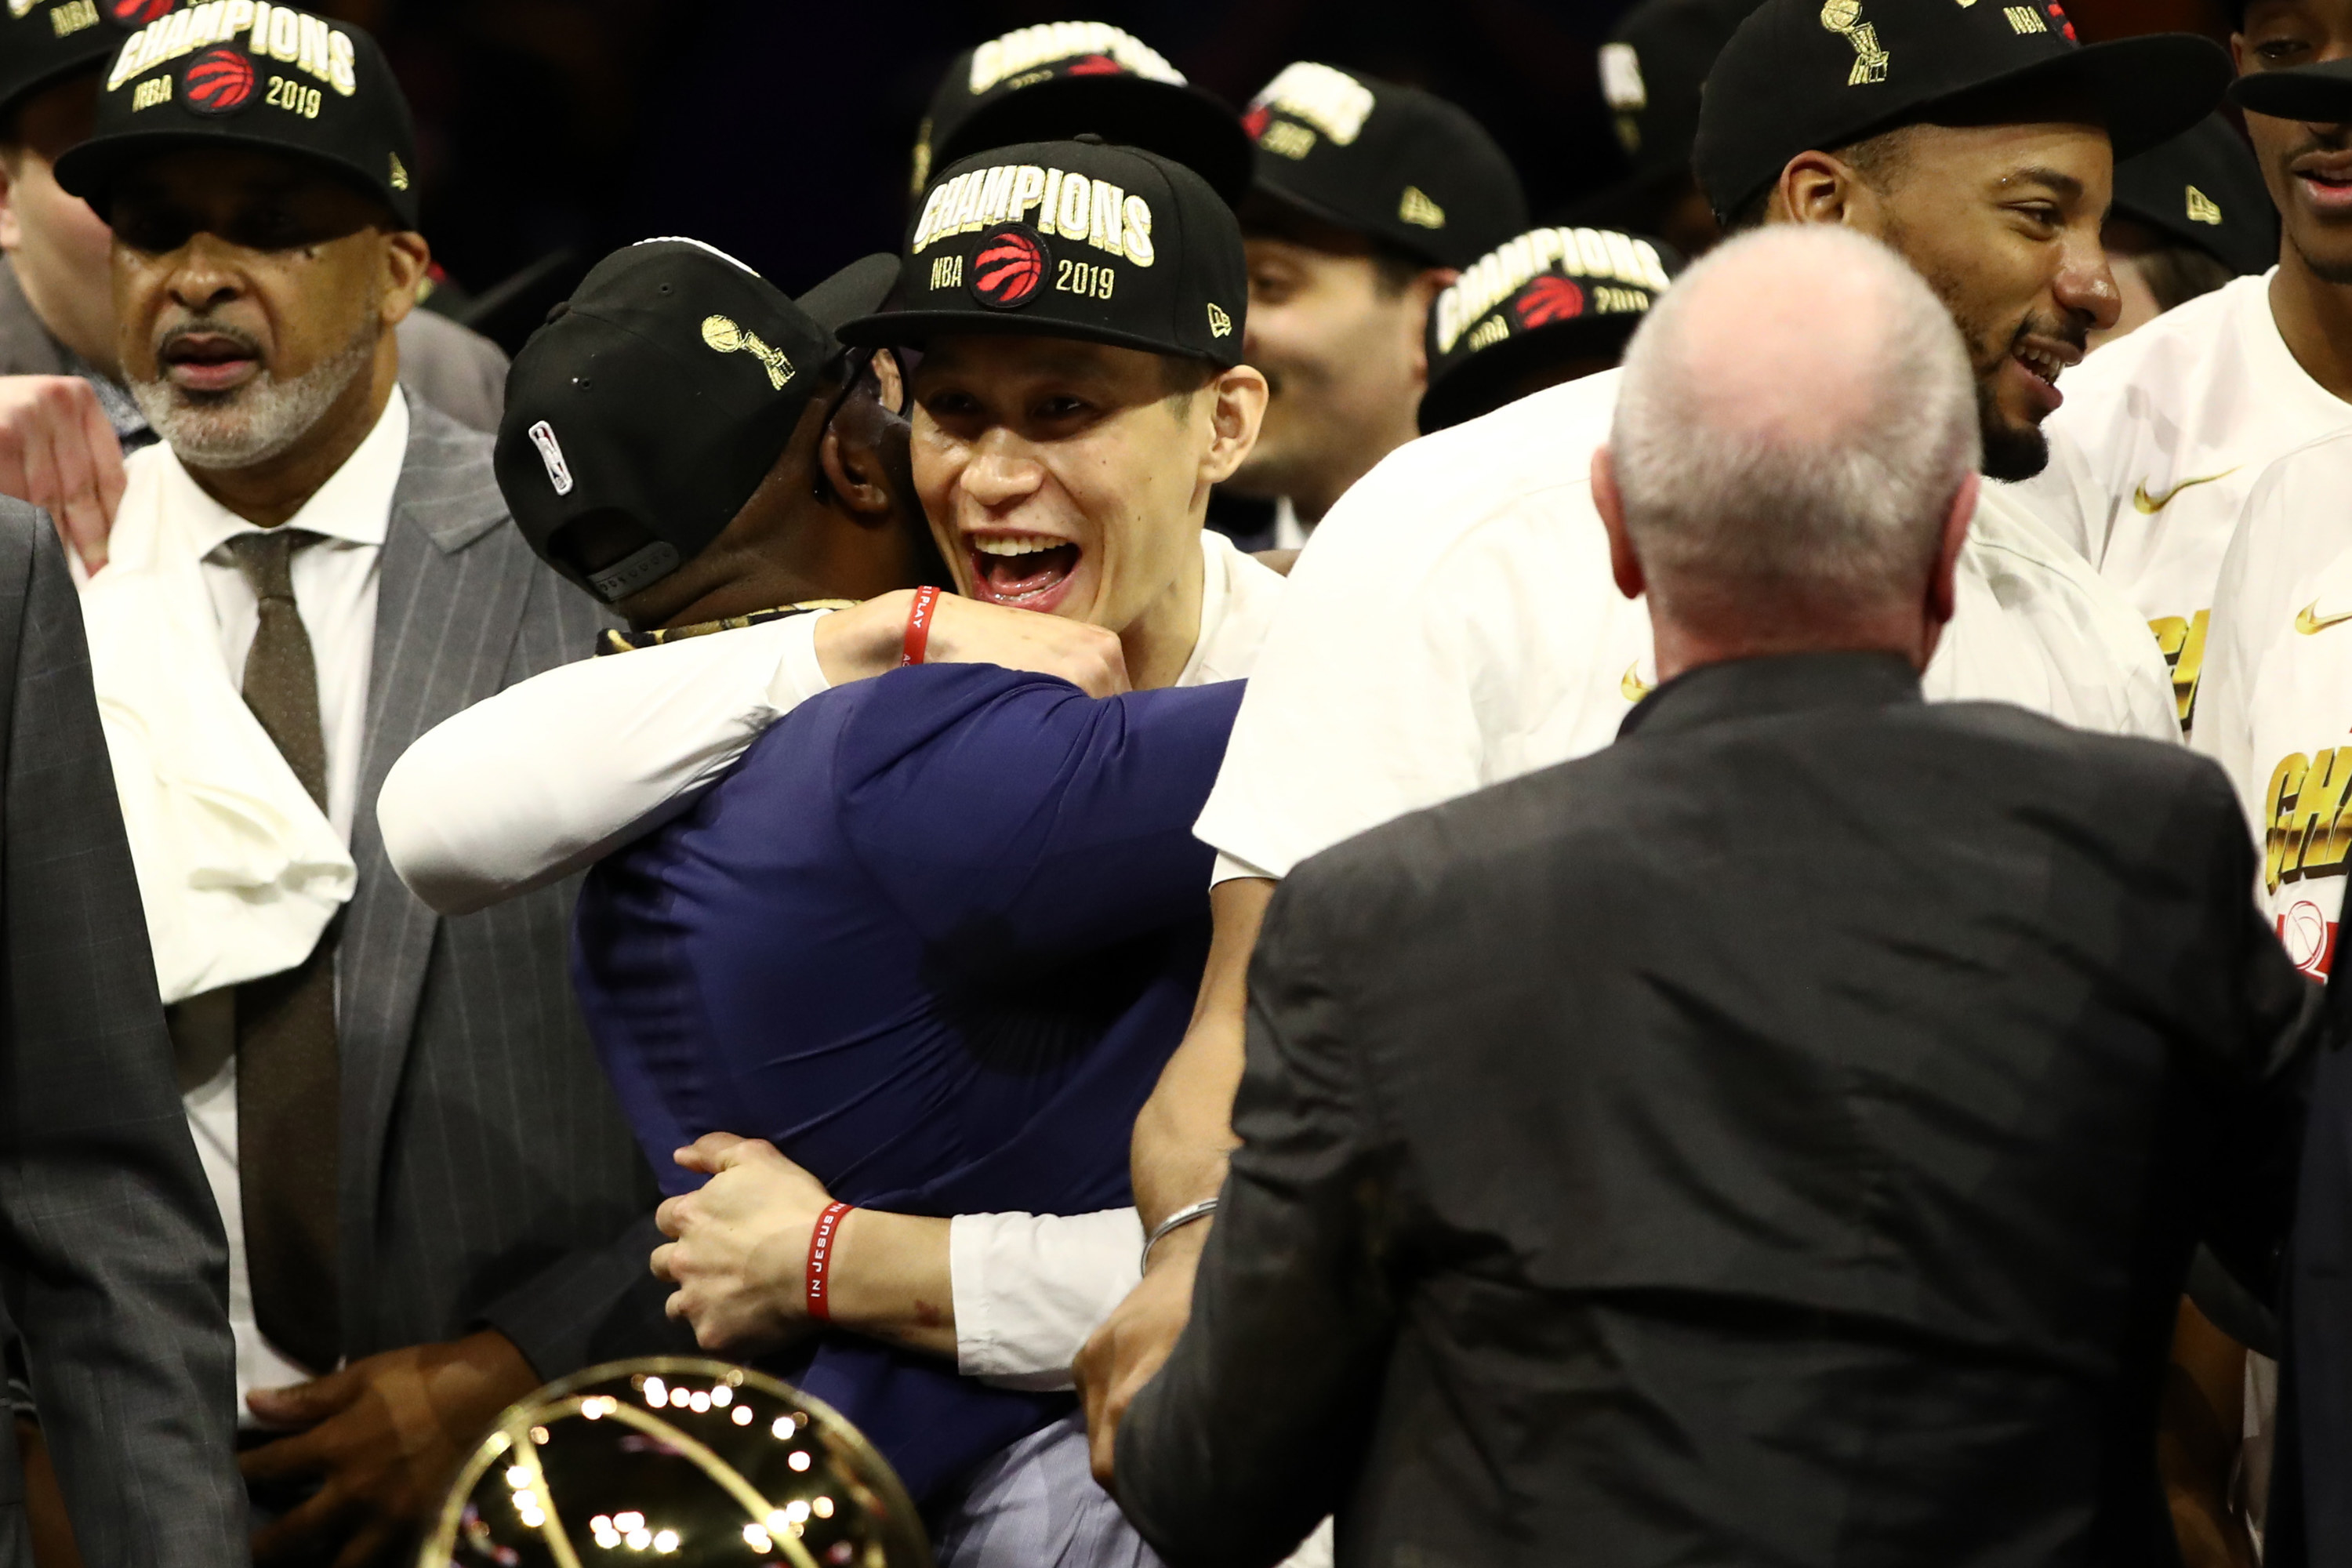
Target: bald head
(1796,419)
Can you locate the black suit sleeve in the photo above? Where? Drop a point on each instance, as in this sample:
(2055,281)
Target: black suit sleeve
(2267,1025)
(113,1260)
(1253,1429)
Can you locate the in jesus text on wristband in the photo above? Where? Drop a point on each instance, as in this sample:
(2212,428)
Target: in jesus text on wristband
(820,1259)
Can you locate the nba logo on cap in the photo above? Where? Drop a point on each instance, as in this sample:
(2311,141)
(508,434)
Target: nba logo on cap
(218,81)
(559,472)
(1009,267)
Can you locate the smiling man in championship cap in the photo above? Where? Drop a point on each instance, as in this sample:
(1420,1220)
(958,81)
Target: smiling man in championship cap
(998,857)
(1977,142)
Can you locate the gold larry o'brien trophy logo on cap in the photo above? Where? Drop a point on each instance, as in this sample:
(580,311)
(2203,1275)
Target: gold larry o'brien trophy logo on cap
(1870,61)
(681,1458)
(722,333)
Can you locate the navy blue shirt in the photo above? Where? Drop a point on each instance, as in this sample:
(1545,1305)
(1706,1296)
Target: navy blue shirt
(934,937)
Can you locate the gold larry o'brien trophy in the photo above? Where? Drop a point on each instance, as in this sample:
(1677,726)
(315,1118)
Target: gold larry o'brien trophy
(675,1460)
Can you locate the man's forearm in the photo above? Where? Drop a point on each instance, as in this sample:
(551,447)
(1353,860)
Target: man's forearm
(1185,1129)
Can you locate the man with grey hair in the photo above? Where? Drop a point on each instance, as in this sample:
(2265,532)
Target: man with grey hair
(1769,1138)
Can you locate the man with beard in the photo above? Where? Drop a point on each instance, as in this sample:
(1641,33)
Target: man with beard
(428,1191)
(1980,144)
(1370,198)
(2164,432)
(66,417)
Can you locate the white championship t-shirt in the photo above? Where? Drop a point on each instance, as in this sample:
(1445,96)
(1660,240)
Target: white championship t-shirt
(2162,437)
(1454,623)
(2277,708)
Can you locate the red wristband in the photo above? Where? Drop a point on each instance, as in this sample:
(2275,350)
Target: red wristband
(918,627)
(819,1258)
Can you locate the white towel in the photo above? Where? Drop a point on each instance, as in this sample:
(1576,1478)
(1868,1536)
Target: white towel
(239,870)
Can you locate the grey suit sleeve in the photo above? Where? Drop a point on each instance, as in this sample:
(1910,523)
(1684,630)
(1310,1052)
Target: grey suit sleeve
(1251,1432)
(110,1250)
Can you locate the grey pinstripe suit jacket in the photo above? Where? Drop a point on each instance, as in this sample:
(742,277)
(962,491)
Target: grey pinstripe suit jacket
(487,1176)
(111,1259)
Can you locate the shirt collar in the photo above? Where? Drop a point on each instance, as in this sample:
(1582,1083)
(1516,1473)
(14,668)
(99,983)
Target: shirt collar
(354,505)
(1769,687)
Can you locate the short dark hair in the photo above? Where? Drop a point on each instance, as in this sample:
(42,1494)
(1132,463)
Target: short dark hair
(1182,376)
(1879,158)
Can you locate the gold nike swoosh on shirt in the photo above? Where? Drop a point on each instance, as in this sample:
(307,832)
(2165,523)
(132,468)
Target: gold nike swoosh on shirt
(1633,688)
(2150,505)
(2311,624)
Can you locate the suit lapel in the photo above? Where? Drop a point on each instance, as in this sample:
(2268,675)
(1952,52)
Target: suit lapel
(450,604)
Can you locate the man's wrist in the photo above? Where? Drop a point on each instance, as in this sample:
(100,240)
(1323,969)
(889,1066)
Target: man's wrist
(1181,1247)
(891,1280)
(859,643)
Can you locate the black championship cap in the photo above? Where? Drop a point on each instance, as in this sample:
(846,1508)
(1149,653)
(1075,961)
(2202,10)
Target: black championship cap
(244,73)
(655,401)
(1822,73)
(1550,297)
(2321,94)
(1058,79)
(1072,239)
(1650,71)
(45,41)
(2204,189)
(1394,163)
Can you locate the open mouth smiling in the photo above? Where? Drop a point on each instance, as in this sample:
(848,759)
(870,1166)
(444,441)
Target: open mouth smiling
(1023,570)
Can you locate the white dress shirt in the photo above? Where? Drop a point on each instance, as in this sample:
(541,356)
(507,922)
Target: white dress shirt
(335,590)
(553,772)
(1454,622)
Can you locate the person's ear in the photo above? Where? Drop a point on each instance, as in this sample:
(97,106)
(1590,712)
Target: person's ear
(1426,287)
(12,232)
(1821,187)
(1236,408)
(1943,590)
(853,470)
(1624,565)
(406,259)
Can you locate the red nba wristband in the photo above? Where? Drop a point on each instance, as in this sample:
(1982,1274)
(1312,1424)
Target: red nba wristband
(918,627)
(819,1258)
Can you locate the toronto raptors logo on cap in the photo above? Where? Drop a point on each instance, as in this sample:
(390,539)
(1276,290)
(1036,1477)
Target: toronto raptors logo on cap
(138,12)
(1097,65)
(218,81)
(1009,267)
(1549,298)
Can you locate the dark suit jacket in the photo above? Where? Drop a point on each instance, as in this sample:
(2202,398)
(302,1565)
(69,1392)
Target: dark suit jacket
(487,1173)
(1776,1140)
(111,1260)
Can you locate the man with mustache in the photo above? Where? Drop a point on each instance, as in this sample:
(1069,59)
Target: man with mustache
(2165,432)
(1979,142)
(428,1191)
(66,416)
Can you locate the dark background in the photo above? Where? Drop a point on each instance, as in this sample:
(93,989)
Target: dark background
(780,129)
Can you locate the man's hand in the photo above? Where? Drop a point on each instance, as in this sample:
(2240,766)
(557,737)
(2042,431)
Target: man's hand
(1134,1343)
(853,644)
(382,1438)
(58,451)
(739,1244)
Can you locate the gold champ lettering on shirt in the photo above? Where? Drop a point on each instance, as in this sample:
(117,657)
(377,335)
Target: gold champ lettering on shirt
(2307,825)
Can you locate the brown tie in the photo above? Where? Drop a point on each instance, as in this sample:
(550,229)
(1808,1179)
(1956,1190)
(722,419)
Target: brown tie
(289,1099)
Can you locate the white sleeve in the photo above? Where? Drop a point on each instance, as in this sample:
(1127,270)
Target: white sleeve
(555,771)
(1029,1288)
